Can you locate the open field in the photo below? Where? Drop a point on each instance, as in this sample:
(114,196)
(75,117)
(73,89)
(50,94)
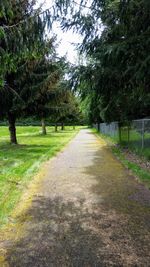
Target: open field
(19,162)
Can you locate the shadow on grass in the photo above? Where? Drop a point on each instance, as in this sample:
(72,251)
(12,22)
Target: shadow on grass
(23,151)
(23,139)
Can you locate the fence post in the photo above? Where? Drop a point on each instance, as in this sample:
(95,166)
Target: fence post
(128,133)
(119,128)
(142,133)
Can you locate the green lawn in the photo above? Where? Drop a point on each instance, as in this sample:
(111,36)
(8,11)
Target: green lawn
(19,162)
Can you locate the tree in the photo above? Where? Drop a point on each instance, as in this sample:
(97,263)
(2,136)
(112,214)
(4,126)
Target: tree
(21,41)
(38,88)
(117,44)
(69,110)
(21,34)
(65,106)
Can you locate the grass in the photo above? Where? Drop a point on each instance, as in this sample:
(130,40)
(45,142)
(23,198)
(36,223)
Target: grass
(18,163)
(135,143)
(142,174)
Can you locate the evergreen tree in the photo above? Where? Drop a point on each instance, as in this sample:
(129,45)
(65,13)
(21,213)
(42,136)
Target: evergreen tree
(22,41)
(21,33)
(40,89)
(117,43)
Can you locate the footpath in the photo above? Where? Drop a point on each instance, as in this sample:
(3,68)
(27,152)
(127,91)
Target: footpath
(87,212)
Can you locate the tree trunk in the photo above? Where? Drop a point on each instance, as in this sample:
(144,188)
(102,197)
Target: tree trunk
(43,127)
(62,126)
(56,130)
(12,128)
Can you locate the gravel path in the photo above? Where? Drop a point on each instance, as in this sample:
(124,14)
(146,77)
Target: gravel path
(88,212)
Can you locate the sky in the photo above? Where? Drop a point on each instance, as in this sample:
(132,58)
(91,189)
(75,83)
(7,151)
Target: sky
(64,39)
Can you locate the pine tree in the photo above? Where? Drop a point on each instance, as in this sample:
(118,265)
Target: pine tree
(39,89)
(21,41)
(117,44)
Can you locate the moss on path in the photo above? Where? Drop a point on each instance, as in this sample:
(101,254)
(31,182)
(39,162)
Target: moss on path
(86,211)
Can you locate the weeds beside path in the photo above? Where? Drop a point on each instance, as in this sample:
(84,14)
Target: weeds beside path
(87,211)
(137,164)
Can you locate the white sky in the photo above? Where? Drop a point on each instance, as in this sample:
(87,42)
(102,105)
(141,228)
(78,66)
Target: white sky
(65,39)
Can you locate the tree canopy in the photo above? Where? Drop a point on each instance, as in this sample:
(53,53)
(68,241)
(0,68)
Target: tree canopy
(116,47)
(112,79)
(22,33)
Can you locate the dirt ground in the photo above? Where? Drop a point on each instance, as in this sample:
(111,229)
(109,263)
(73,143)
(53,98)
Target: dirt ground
(87,211)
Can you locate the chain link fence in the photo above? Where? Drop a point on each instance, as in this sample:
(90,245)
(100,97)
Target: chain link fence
(134,134)
(111,129)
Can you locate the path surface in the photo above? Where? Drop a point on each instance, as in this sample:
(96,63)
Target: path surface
(89,212)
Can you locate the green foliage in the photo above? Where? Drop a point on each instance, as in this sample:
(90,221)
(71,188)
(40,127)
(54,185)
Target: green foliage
(29,86)
(66,108)
(38,87)
(21,34)
(117,43)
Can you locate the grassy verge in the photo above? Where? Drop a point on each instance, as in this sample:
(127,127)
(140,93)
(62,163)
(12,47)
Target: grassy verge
(18,163)
(137,170)
(135,143)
